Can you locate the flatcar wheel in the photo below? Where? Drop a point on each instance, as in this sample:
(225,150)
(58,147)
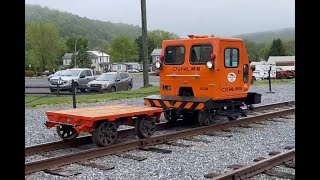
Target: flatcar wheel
(145,127)
(104,134)
(204,119)
(67,132)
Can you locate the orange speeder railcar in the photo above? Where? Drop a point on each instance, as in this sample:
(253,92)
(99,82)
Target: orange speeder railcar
(201,77)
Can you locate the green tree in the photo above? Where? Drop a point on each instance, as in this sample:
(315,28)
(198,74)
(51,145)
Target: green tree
(263,51)
(42,42)
(71,44)
(102,46)
(290,47)
(82,59)
(277,48)
(122,50)
(158,36)
(251,48)
(151,47)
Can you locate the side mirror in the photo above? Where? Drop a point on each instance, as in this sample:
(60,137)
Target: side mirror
(83,76)
(117,80)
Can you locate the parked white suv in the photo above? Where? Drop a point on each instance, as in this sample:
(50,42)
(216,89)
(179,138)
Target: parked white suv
(81,77)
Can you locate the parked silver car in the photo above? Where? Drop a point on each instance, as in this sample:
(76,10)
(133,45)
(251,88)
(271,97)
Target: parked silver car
(111,82)
(81,77)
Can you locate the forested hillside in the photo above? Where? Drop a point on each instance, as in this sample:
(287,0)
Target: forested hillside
(267,36)
(72,25)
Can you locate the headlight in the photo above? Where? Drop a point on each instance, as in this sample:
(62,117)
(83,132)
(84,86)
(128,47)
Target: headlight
(157,64)
(106,85)
(66,82)
(209,64)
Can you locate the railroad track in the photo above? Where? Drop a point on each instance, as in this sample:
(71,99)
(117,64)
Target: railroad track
(145,143)
(41,148)
(262,165)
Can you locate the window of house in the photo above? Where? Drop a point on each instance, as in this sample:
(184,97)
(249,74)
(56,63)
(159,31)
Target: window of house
(174,55)
(157,58)
(119,67)
(200,54)
(231,57)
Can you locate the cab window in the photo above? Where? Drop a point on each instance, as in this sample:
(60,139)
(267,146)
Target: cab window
(88,72)
(83,73)
(245,73)
(231,57)
(174,55)
(200,54)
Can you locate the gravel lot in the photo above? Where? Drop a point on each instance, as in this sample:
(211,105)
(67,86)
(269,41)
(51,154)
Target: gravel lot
(182,163)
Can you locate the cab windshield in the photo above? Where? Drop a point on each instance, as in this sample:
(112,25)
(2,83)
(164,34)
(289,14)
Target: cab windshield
(174,55)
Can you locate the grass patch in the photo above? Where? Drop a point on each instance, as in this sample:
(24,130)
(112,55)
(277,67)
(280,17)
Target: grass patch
(36,101)
(136,74)
(273,81)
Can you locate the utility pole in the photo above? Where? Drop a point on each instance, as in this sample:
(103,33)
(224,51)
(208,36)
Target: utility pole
(144,44)
(75,52)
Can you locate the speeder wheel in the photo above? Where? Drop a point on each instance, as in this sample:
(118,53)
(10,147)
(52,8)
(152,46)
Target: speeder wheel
(145,127)
(172,118)
(104,133)
(66,132)
(204,119)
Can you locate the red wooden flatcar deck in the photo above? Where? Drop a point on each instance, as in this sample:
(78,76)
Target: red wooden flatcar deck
(108,112)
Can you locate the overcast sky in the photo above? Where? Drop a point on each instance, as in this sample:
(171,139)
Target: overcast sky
(200,17)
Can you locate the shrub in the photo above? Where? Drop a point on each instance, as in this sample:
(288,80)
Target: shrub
(28,73)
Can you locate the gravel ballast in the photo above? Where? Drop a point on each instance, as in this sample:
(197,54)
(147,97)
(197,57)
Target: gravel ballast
(182,163)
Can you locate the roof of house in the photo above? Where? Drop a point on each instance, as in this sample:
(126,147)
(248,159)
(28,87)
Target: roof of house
(274,59)
(98,53)
(67,56)
(156,52)
(92,54)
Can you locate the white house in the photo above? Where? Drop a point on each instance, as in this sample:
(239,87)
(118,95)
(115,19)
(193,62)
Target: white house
(126,66)
(134,65)
(119,67)
(284,62)
(66,59)
(101,61)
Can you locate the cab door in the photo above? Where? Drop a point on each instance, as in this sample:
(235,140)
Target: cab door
(231,69)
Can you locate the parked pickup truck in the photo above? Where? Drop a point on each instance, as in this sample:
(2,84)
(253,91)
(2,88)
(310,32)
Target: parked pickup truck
(81,77)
